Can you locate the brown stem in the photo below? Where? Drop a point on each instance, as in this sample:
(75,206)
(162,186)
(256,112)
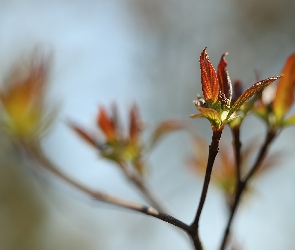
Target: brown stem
(196,241)
(213,150)
(35,152)
(237,149)
(232,214)
(262,153)
(242,185)
(141,185)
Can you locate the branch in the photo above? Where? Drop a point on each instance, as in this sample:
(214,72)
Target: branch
(213,150)
(35,153)
(271,134)
(242,185)
(237,149)
(144,189)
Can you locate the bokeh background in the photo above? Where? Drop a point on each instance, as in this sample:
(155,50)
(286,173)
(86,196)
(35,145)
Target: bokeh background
(143,51)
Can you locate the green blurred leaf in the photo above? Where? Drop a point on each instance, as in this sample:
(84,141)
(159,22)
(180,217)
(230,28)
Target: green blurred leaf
(290,121)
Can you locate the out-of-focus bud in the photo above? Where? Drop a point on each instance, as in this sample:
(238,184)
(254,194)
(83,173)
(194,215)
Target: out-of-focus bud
(22,97)
(224,171)
(238,90)
(117,145)
(275,102)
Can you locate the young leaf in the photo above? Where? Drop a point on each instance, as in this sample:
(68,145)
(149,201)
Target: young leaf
(106,124)
(209,78)
(135,125)
(196,116)
(164,128)
(255,88)
(22,99)
(237,90)
(224,79)
(290,121)
(285,89)
(83,134)
(212,115)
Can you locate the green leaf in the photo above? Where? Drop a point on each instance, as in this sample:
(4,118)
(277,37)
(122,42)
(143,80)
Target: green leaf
(290,121)
(261,112)
(255,88)
(212,115)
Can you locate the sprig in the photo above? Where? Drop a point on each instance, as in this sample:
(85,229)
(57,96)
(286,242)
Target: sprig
(218,108)
(216,105)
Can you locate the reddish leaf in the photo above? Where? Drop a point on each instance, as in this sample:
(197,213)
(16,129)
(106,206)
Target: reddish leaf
(196,116)
(164,128)
(209,78)
(106,124)
(255,88)
(83,134)
(285,89)
(223,78)
(115,117)
(135,124)
(238,90)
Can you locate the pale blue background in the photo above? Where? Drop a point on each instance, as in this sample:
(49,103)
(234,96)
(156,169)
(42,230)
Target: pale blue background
(143,51)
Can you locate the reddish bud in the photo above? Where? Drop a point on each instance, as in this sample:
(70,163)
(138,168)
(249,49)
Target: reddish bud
(237,90)
(209,78)
(106,124)
(83,134)
(285,89)
(135,124)
(224,79)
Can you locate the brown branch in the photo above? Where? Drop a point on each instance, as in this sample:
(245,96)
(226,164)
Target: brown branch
(144,189)
(36,154)
(262,153)
(237,149)
(213,150)
(242,185)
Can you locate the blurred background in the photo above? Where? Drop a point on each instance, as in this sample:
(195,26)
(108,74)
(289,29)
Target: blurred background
(143,51)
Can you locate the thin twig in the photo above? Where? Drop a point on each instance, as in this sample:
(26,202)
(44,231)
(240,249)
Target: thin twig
(142,186)
(36,153)
(242,185)
(213,150)
(237,149)
(269,138)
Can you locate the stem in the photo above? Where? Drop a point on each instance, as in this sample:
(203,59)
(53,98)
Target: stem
(141,185)
(196,241)
(237,149)
(242,184)
(232,214)
(269,138)
(213,150)
(36,153)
